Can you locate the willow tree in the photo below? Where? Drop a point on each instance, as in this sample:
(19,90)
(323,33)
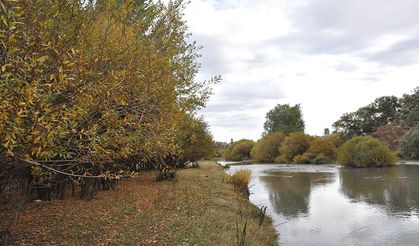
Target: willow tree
(91,89)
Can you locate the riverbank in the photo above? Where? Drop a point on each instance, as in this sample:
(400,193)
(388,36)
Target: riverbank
(199,207)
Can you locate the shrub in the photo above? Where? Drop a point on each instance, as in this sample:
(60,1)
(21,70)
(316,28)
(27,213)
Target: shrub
(194,140)
(295,144)
(365,152)
(240,180)
(267,148)
(321,159)
(232,153)
(229,148)
(301,159)
(336,139)
(241,151)
(321,146)
(391,135)
(281,159)
(409,145)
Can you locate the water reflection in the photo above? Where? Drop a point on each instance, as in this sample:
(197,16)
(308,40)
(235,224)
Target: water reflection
(289,193)
(329,205)
(395,189)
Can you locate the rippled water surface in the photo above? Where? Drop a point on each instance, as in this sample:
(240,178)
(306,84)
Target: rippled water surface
(329,205)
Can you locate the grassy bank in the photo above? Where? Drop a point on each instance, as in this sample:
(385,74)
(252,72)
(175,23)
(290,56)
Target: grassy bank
(198,208)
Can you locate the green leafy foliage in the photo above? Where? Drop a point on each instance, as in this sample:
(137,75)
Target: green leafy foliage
(284,118)
(367,119)
(383,111)
(409,110)
(409,144)
(365,152)
(267,148)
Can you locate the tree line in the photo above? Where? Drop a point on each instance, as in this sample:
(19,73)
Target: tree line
(394,121)
(284,141)
(371,136)
(92,91)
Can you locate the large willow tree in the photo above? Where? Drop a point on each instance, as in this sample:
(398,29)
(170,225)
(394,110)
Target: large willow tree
(91,89)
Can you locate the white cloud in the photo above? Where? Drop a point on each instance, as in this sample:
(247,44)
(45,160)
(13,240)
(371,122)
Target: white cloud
(331,56)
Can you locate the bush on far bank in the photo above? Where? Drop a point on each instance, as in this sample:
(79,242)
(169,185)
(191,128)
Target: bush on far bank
(301,159)
(322,159)
(295,144)
(336,139)
(321,146)
(409,145)
(267,148)
(241,150)
(365,152)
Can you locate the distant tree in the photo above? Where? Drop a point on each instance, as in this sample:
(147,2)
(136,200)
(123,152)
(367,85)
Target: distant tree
(385,110)
(326,131)
(366,120)
(391,134)
(284,118)
(409,144)
(267,148)
(409,110)
(220,148)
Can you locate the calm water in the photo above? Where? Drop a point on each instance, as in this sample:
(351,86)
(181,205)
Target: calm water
(330,205)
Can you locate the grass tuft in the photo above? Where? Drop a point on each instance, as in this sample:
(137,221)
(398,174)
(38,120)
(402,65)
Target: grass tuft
(240,180)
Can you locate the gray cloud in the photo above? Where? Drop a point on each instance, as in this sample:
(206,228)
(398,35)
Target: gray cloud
(401,53)
(213,61)
(341,26)
(302,51)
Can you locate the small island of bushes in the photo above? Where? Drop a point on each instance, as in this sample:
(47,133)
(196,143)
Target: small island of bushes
(300,148)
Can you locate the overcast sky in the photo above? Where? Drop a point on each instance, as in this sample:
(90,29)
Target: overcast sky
(331,56)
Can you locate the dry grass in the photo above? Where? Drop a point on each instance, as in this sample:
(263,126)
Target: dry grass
(199,207)
(240,180)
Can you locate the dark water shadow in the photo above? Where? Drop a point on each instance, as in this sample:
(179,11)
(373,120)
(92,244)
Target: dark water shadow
(394,189)
(289,193)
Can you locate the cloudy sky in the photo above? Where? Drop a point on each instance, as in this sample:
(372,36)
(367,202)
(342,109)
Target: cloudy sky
(331,56)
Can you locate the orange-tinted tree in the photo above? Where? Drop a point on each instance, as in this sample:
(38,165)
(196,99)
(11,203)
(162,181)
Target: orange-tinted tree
(93,90)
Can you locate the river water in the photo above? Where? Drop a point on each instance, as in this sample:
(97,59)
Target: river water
(333,205)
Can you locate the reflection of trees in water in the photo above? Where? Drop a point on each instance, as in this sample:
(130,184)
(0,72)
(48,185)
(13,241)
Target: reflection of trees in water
(289,193)
(394,188)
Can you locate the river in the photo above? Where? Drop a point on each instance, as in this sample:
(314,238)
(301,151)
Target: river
(333,205)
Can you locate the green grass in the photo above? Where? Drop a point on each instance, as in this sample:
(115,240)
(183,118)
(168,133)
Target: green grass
(199,207)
